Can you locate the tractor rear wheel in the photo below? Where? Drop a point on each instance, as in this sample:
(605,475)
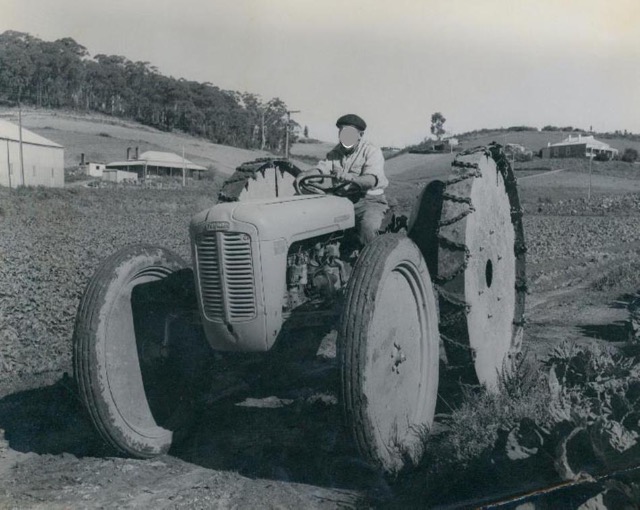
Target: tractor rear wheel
(388,353)
(137,354)
(262,178)
(479,271)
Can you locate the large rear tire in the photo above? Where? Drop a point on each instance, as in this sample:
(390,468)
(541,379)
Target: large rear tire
(262,178)
(475,226)
(388,353)
(136,354)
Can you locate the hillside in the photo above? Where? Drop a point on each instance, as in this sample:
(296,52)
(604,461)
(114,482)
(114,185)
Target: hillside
(536,140)
(104,139)
(317,150)
(62,74)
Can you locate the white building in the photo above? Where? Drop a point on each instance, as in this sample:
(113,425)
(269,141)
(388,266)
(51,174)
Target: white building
(155,163)
(42,160)
(579,147)
(114,175)
(94,169)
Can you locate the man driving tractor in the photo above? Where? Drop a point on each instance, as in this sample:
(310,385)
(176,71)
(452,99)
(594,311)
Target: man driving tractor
(357,161)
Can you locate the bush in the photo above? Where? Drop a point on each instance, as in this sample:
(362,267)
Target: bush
(629,155)
(602,156)
(522,128)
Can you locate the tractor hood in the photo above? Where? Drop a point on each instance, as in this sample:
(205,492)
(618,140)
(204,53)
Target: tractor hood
(291,218)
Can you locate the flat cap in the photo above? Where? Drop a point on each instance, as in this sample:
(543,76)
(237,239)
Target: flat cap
(351,119)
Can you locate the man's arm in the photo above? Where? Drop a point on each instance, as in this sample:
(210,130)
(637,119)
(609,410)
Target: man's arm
(374,168)
(366,181)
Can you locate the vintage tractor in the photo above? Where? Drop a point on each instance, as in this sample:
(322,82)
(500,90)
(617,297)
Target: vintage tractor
(452,276)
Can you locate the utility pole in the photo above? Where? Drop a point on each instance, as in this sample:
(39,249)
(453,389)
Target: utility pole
(263,141)
(286,144)
(589,192)
(184,170)
(8,165)
(20,129)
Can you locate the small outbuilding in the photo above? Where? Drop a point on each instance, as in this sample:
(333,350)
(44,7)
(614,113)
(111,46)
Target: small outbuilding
(579,147)
(155,163)
(94,169)
(118,176)
(35,161)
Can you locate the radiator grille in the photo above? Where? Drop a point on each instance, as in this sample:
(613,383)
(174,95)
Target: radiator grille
(238,275)
(209,274)
(226,276)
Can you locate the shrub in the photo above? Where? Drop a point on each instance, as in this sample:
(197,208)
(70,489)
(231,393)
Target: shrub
(629,155)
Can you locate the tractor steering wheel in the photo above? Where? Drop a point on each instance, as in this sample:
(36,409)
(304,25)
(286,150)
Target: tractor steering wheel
(342,189)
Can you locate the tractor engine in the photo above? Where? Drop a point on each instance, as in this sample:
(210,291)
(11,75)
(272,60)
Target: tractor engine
(256,261)
(316,271)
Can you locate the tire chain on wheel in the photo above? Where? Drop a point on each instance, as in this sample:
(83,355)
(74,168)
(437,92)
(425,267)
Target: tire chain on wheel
(247,172)
(453,258)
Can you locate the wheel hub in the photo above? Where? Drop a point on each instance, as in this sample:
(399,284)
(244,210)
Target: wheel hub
(397,357)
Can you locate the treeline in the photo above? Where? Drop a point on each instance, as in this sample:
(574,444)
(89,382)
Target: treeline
(62,74)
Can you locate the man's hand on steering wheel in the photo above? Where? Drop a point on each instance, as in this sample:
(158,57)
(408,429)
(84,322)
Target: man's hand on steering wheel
(341,177)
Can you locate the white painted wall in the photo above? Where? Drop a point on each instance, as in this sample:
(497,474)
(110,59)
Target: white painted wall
(112,175)
(94,169)
(43,166)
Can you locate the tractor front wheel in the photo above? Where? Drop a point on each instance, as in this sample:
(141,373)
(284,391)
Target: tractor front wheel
(136,353)
(388,349)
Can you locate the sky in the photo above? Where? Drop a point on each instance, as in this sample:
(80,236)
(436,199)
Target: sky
(481,63)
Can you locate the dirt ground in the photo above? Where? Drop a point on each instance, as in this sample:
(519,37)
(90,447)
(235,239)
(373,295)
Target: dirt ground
(269,433)
(270,437)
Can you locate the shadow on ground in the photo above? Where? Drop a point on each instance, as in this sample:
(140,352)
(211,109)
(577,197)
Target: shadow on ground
(615,332)
(48,420)
(272,416)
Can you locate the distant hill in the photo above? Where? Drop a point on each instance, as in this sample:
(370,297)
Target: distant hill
(308,151)
(103,138)
(536,140)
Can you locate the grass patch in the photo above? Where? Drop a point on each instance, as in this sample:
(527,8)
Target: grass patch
(310,160)
(575,411)
(474,426)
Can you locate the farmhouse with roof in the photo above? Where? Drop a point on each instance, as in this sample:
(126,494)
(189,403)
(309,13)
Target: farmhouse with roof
(155,163)
(34,162)
(579,147)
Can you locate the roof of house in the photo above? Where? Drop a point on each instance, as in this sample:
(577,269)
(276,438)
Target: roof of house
(157,158)
(10,131)
(589,140)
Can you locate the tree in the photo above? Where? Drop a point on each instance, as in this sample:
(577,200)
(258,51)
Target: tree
(63,74)
(306,131)
(437,125)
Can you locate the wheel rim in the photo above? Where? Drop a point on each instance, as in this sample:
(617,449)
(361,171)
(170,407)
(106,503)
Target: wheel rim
(131,368)
(395,375)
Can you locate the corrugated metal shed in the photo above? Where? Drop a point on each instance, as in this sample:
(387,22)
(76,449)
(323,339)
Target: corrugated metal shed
(39,163)
(11,132)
